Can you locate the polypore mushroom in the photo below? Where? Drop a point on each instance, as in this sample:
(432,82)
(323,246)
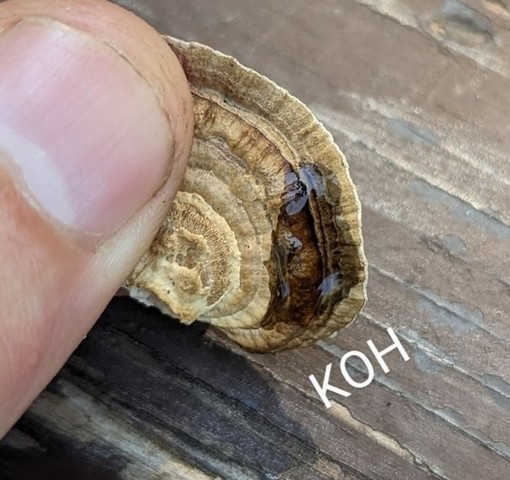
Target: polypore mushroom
(264,238)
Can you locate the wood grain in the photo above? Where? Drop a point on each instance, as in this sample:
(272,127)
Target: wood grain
(416,95)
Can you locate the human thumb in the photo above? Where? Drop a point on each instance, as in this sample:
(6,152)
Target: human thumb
(95,130)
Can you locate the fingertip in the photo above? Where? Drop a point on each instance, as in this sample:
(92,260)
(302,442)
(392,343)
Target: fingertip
(134,40)
(91,153)
(52,287)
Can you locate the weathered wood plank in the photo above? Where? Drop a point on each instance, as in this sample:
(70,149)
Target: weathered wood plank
(405,407)
(280,399)
(475,29)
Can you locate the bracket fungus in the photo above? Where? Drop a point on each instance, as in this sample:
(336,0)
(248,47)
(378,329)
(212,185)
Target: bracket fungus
(264,237)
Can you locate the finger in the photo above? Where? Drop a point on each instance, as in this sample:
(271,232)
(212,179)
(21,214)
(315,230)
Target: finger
(95,130)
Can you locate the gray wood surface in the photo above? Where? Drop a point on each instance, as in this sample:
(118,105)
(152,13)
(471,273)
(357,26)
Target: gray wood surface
(417,95)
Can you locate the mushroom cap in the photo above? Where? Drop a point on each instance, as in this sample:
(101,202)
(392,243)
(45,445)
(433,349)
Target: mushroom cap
(264,237)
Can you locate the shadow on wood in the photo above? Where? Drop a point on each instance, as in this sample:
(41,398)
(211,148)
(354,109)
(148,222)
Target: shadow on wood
(143,393)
